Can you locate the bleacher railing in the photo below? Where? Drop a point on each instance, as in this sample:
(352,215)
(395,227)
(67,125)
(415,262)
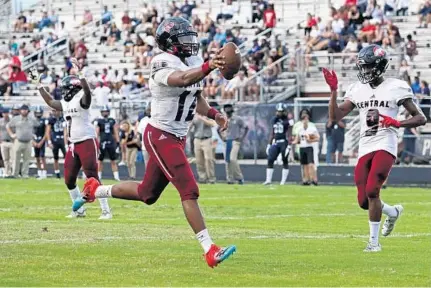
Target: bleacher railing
(50,50)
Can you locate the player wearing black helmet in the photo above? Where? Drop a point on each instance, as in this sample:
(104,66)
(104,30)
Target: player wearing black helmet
(81,134)
(107,131)
(378,100)
(279,143)
(39,143)
(175,86)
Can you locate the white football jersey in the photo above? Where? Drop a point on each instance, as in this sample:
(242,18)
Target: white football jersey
(172,108)
(385,100)
(78,119)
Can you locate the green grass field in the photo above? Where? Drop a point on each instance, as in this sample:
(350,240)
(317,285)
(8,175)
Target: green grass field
(285,236)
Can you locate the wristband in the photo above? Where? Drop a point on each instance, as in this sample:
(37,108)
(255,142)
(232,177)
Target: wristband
(49,142)
(212,113)
(206,68)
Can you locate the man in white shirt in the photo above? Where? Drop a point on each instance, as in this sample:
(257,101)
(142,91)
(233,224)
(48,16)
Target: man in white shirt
(236,84)
(101,94)
(141,128)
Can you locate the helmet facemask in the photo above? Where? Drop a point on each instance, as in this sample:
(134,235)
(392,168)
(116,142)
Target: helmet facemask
(186,45)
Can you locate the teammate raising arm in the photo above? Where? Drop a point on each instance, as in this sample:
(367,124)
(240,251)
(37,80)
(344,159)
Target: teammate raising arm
(83,150)
(378,100)
(175,86)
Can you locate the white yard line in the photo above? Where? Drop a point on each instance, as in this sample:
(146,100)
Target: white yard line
(257,237)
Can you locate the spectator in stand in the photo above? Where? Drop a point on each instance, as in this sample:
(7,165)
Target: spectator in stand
(220,37)
(46,79)
(394,34)
(81,50)
(416,86)
(21,23)
(368,31)
(13,46)
(402,7)
(425,90)
(114,35)
(106,15)
(126,21)
(355,17)
(411,48)
(61,31)
(228,10)
(140,80)
(425,14)
(311,22)
(101,94)
(45,21)
(337,24)
(56,91)
(172,7)
(351,47)
(236,85)
(17,79)
(334,45)
(270,74)
(187,8)
(53,18)
(128,45)
(405,70)
(31,21)
(269,17)
(389,7)
(88,17)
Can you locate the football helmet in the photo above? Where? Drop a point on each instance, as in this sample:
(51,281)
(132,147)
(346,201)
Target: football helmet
(105,111)
(70,86)
(372,63)
(176,35)
(38,112)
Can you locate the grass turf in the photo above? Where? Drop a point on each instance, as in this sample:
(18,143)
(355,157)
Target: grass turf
(285,236)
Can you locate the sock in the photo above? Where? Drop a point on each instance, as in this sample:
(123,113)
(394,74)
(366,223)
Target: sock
(57,171)
(374,232)
(104,204)
(100,175)
(1,172)
(269,172)
(75,193)
(44,173)
(389,210)
(205,240)
(116,175)
(284,175)
(103,191)
(39,173)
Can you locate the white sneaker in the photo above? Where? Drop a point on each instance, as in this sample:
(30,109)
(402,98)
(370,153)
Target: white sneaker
(282,183)
(41,178)
(106,215)
(266,183)
(117,179)
(389,223)
(76,214)
(373,248)
(121,164)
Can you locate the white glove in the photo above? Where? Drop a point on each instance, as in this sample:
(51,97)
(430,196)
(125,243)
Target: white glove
(267,149)
(287,151)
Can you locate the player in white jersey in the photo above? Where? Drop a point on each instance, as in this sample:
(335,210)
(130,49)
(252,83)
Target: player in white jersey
(378,100)
(175,85)
(83,149)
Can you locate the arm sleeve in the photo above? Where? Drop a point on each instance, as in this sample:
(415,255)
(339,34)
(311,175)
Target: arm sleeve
(403,92)
(161,70)
(349,94)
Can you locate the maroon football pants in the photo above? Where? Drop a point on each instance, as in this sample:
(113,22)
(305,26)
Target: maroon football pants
(82,154)
(167,163)
(370,174)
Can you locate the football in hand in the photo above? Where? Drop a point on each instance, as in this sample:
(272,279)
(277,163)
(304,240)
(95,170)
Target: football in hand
(233,60)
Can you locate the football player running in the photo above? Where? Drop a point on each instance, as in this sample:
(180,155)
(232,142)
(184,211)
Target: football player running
(175,84)
(279,144)
(82,150)
(378,100)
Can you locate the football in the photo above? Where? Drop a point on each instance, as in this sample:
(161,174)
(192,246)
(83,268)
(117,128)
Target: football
(233,60)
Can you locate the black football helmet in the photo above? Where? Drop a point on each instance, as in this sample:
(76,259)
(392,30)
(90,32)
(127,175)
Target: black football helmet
(38,112)
(372,63)
(176,35)
(105,111)
(70,86)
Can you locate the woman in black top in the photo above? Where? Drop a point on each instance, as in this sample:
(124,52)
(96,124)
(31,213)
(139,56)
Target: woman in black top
(129,139)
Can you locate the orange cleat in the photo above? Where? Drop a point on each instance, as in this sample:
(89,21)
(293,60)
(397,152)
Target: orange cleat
(88,193)
(217,254)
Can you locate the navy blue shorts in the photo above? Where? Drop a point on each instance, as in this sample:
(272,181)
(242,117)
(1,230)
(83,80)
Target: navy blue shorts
(39,152)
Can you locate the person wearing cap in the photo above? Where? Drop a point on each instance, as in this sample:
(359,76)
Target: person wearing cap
(143,122)
(15,110)
(202,129)
(23,136)
(235,134)
(6,144)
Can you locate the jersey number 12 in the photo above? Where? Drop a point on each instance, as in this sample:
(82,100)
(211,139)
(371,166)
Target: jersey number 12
(181,106)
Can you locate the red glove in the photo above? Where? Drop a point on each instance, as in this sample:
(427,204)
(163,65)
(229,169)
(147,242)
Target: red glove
(389,122)
(331,79)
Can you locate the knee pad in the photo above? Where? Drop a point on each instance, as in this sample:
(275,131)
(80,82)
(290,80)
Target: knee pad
(189,191)
(270,164)
(363,204)
(69,185)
